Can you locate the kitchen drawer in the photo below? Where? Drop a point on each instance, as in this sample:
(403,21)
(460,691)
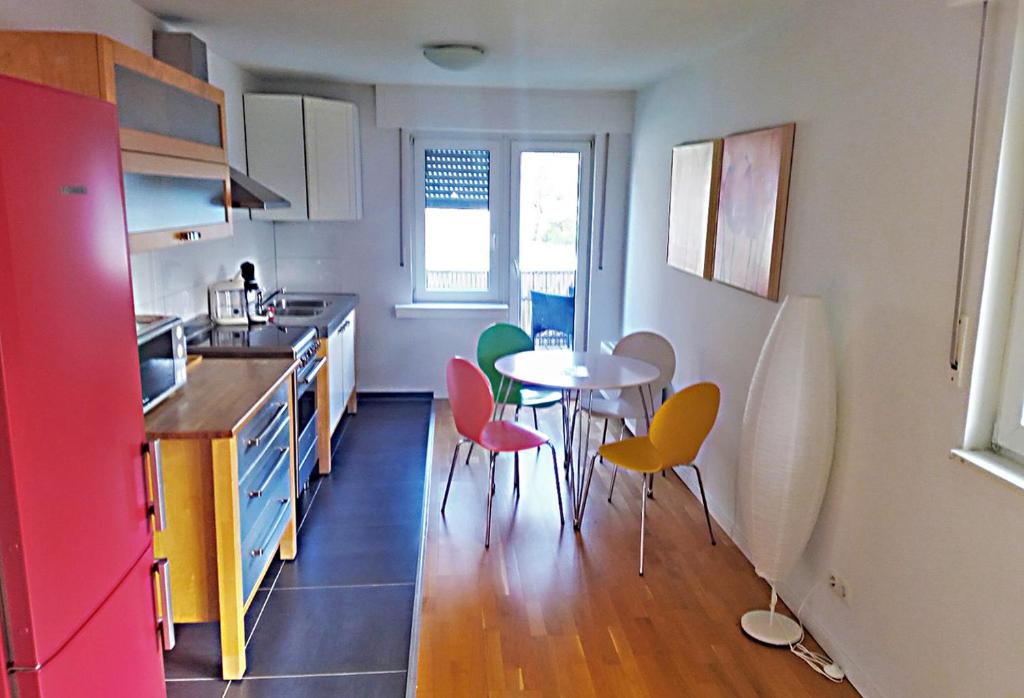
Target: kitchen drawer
(259,544)
(265,480)
(261,456)
(257,434)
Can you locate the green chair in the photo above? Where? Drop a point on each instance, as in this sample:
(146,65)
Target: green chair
(502,339)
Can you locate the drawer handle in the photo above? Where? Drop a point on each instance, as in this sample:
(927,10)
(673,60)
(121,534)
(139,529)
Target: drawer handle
(166,620)
(258,552)
(256,440)
(189,235)
(344,326)
(258,492)
(155,488)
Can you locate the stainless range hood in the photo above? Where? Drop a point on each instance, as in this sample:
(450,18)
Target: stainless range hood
(246,192)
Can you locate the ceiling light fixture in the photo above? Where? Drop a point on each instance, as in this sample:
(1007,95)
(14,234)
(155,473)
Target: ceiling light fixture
(454,56)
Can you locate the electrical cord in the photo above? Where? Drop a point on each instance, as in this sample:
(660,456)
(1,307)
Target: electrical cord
(820,663)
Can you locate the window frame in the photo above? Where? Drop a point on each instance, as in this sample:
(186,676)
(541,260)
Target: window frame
(498,206)
(584,148)
(993,438)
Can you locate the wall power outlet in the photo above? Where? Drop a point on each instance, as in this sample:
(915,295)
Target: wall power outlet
(839,587)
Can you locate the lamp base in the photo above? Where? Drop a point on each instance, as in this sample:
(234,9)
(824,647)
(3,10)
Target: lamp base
(771,629)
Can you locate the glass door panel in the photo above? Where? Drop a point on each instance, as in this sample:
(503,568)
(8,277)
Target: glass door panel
(551,216)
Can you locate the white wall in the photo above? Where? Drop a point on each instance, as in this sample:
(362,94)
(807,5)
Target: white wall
(363,256)
(490,109)
(170,281)
(880,91)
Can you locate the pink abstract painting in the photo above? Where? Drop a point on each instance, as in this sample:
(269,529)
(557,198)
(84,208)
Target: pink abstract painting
(752,209)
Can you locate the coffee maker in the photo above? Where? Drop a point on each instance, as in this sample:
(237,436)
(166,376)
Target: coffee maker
(238,300)
(253,294)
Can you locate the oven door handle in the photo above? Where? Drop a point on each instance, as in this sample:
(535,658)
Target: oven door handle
(317,367)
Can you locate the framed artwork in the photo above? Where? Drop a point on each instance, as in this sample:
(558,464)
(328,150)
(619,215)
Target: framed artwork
(752,209)
(693,204)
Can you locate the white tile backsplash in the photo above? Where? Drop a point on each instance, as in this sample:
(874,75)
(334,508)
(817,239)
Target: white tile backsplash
(306,274)
(144,284)
(174,281)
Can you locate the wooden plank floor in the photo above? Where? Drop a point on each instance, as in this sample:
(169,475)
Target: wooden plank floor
(546,612)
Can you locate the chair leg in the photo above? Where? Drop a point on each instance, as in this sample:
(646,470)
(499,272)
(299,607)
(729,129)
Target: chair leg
(518,408)
(615,468)
(451,471)
(470,452)
(650,490)
(604,437)
(536,424)
(558,487)
(643,519)
(490,502)
(515,477)
(707,514)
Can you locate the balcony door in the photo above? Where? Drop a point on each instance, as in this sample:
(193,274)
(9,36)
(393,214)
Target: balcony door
(550,241)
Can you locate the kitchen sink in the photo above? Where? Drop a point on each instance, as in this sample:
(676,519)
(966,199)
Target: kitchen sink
(298,307)
(298,311)
(312,303)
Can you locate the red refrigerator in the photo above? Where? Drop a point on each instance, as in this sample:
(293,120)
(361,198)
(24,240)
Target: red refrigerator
(78,585)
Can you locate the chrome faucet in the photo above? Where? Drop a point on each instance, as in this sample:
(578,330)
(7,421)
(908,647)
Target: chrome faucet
(262,302)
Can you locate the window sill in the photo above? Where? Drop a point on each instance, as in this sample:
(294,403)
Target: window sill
(433,311)
(1002,467)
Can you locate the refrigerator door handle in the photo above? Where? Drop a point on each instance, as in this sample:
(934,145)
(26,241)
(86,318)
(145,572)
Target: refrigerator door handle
(155,489)
(165,619)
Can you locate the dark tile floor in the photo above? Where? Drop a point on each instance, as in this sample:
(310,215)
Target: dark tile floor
(338,620)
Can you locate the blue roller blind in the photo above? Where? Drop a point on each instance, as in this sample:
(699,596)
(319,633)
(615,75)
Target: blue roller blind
(457,178)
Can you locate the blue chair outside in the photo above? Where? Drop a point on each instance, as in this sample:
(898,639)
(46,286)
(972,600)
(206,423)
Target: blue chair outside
(553,313)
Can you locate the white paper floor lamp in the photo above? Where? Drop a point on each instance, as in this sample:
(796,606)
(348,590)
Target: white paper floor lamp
(786,452)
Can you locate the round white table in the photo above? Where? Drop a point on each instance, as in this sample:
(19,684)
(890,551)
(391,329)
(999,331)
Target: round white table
(576,374)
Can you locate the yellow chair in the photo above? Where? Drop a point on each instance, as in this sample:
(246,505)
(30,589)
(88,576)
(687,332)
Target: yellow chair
(677,432)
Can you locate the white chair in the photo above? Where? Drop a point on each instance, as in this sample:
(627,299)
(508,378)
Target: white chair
(636,404)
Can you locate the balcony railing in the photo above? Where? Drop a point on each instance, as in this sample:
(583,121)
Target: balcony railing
(554,282)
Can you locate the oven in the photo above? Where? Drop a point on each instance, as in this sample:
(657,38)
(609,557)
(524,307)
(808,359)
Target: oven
(161,357)
(306,376)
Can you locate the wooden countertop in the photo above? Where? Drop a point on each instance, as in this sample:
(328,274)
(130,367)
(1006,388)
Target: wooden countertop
(219,396)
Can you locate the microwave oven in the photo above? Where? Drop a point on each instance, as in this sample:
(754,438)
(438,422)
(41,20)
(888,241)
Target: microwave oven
(162,357)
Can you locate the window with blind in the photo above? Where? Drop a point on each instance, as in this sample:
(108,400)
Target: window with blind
(457,209)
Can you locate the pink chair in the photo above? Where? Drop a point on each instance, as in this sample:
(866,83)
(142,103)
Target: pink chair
(472,401)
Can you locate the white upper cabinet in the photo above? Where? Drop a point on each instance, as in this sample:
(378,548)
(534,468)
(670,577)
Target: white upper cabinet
(333,172)
(307,150)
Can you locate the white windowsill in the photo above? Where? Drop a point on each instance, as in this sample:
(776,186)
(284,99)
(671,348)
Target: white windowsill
(449,310)
(1002,467)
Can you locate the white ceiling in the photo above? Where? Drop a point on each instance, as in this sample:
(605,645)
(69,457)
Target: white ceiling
(531,43)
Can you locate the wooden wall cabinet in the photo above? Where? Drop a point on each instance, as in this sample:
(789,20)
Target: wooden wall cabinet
(173,130)
(307,149)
